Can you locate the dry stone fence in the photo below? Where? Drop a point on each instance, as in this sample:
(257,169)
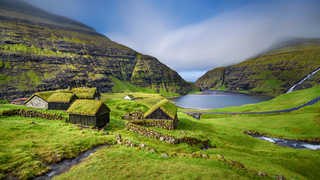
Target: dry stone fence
(31,113)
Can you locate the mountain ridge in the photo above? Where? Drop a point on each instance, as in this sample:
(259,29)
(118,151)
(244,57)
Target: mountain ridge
(270,73)
(36,55)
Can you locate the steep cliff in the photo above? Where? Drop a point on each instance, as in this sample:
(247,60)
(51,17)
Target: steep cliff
(42,51)
(270,73)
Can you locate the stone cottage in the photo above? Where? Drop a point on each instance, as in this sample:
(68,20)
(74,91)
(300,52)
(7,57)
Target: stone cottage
(89,112)
(164,110)
(61,101)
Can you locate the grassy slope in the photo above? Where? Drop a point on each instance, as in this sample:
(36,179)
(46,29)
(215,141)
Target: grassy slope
(271,73)
(224,131)
(26,147)
(127,87)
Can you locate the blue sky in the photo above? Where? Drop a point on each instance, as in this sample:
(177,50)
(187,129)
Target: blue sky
(194,36)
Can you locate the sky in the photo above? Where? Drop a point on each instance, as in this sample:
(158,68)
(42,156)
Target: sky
(194,36)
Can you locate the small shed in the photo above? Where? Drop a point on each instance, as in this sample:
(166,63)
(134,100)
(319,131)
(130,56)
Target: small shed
(129,97)
(60,101)
(39,100)
(164,110)
(89,113)
(86,93)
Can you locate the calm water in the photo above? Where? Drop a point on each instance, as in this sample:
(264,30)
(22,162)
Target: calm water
(216,99)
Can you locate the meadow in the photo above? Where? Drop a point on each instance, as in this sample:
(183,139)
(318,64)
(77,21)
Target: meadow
(33,144)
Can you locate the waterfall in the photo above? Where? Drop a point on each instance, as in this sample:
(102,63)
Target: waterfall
(301,81)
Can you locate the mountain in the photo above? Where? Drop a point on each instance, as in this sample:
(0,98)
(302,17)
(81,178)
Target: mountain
(42,51)
(270,73)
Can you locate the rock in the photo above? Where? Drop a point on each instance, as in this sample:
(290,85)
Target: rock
(161,138)
(220,157)
(133,145)
(237,164)
(261,173)
(279,177)
(206,156)
(152,150)
(118,137)
(142,145)
(174,154)
(164,155)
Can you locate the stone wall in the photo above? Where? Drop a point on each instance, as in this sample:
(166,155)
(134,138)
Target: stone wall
(147,132)
(160,123)
(31,113)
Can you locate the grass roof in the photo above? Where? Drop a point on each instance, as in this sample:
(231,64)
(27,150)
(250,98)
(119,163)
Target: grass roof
(85,107)
(60,97)
(44,95)
(166,106)
(84,93)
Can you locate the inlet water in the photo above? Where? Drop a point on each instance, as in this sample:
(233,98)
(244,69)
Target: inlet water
(216,99)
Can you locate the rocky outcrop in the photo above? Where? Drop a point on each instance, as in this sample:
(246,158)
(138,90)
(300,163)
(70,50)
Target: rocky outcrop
(271,73)
(52,52)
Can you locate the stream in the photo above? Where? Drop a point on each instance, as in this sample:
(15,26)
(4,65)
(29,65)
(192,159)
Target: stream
(289,143)
(65,165)
(304,79)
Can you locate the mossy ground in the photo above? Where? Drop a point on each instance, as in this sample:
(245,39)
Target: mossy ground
(223,131)
(28,144)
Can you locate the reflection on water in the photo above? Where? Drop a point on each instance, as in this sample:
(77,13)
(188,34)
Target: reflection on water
(216,99)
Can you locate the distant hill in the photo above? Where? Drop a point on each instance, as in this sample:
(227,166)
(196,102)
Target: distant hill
(43,51)
(270,73)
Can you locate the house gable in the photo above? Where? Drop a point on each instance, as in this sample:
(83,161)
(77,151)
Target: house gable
(158,114)
(37,102)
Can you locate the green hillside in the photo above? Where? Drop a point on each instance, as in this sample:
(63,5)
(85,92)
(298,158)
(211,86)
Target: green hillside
(270,73)
(41,51)
(233,154)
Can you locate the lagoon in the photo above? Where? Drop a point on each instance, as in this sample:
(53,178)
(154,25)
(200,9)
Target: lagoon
(211,99)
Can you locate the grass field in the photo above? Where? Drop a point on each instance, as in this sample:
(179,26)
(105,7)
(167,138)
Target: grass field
(224,131)
(28,144)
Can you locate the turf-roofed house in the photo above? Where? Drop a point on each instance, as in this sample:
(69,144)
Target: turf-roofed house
(89,112)
(165,112)
(86,93)
(39,100)
(60,101)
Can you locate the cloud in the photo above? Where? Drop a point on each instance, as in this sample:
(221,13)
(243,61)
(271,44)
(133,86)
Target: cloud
(226,38)
(221,40)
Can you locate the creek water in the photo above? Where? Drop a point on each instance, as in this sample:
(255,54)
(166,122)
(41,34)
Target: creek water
(216,99)
(66,164)
(289,143)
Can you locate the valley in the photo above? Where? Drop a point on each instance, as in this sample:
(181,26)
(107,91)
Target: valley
(225,132)
(77,105)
